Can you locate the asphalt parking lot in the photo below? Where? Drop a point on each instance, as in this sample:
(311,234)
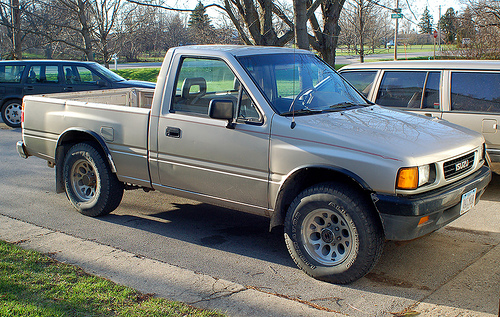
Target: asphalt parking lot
(218,258)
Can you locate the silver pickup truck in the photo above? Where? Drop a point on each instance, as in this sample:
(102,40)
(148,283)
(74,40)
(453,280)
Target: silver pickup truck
(270,131)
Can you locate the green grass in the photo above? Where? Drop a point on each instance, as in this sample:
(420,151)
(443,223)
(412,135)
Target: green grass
(147,74)
(368,51)
(32,284)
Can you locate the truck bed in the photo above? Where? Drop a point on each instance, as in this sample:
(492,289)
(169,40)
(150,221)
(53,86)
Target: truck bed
(119,117)
(128,97)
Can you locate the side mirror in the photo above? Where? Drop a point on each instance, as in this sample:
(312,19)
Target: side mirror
(222,109)
(101,83)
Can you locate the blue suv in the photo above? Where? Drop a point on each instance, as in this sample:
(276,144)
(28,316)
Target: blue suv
(33,77)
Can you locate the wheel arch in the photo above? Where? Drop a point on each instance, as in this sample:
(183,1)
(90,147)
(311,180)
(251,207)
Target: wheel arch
(6,99)
(307,176)
(71,137)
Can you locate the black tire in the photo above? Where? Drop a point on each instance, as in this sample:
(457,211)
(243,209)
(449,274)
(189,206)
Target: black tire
(11,113)
(333,233)
(90,185)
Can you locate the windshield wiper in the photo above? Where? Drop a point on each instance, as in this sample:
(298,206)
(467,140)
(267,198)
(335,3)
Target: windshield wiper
(301,112)
(345,105)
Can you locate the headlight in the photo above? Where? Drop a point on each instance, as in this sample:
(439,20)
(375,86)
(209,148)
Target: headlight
(413,177)
(482,151)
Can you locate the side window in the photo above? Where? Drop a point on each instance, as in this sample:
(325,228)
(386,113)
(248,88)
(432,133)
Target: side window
(248,111)
(431,91)
(361,80)
(43,74)
(201,80)
(401,89)
(11,73)
(475,91)
(79,75)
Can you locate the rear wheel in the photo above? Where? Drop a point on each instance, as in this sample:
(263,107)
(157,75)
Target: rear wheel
(333,234)
(90,185)
(11,113)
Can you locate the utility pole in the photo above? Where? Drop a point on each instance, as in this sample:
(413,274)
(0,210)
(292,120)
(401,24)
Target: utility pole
(396,33)
(439,30)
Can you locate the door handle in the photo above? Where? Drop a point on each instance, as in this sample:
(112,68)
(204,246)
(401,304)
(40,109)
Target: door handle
(173,132)
(29,87)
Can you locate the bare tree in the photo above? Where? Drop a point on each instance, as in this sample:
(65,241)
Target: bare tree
(361,21)
(478,30)
(11,20)
(325,35)
(105,15)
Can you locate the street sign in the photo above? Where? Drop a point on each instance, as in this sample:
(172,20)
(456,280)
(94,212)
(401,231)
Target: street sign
(397,10)
(435,34)
(396,15)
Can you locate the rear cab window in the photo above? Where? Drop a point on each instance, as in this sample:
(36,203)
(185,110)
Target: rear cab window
(410,89)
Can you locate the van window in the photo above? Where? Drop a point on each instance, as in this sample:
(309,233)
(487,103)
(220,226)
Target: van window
(79,75)
(11,73)
(43,74)
(475,91)
(409,89)
(361,80)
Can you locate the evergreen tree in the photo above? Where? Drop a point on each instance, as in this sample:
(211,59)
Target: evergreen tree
(447,23)
(199,25)
(426,22)
(199,17)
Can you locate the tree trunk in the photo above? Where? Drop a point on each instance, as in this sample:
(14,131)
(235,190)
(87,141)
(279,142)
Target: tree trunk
(16,30)
(301,36)
(87,38)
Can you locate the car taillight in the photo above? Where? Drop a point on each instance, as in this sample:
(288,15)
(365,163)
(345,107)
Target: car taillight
(22,112)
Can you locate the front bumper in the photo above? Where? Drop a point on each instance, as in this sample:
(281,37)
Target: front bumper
(401,215)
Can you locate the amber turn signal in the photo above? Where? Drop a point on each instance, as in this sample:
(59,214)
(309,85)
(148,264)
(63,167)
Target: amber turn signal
(407,178)
(423,220)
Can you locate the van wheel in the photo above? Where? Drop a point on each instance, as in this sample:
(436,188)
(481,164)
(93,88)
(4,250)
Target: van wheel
(333,234)
(11,113)
(90,185)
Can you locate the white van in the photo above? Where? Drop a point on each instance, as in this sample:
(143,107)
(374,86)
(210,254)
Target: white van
(464,92)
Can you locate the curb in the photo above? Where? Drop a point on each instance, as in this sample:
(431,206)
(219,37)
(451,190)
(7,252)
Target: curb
(151,276)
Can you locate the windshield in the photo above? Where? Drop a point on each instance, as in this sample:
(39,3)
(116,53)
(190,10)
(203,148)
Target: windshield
(107,73)
(300,83)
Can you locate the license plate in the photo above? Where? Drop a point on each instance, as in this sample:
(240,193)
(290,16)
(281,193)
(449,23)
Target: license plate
(468,201)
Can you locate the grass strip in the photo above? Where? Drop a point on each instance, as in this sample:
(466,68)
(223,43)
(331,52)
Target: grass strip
(33,284)
(147,74)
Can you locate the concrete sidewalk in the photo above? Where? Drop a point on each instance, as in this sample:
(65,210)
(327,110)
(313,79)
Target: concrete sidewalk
(204,291)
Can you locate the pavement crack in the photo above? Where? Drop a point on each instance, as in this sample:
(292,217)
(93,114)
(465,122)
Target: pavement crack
(224,292)
(305,302)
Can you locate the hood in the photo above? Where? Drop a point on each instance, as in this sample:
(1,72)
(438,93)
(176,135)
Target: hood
(138,83)
(390,133)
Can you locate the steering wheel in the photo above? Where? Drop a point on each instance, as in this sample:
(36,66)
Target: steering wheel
(300,95)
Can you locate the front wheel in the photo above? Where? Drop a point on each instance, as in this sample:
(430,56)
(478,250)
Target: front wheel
(11,113)
(333,233)
(90,185)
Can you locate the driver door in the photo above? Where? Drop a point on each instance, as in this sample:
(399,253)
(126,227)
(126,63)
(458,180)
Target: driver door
(201,155)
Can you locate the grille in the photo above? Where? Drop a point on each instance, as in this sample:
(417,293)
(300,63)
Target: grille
(458,166)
